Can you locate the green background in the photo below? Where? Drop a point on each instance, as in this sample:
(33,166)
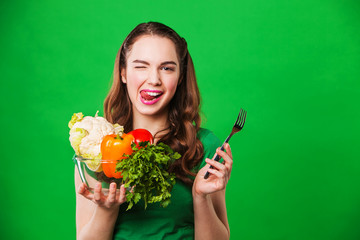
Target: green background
(293,65)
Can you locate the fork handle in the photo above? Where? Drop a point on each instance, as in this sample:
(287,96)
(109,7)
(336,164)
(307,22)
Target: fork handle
(217,156)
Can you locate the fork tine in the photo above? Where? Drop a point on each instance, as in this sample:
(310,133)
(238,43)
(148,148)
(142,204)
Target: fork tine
(238,118)
(240,121)
(243,120)
(242,116)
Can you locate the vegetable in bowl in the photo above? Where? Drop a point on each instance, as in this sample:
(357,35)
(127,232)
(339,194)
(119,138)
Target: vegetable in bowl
(104,153)
(146,169)
(86,135)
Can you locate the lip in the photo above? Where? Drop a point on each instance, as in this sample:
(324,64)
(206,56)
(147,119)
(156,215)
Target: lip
(151,90)
(151,102)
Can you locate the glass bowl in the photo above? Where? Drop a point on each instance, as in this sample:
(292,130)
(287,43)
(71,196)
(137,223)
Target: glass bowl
(91,176)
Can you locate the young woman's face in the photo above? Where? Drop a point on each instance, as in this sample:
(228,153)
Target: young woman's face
(151,75)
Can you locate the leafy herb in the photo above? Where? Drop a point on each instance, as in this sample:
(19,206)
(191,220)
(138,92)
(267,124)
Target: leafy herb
(146,170)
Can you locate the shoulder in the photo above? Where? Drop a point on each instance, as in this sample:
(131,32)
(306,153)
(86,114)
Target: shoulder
(208,138)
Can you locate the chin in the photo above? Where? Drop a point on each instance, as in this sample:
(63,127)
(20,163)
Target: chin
(151,111)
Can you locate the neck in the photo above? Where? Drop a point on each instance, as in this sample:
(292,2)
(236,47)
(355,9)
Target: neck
(153,124)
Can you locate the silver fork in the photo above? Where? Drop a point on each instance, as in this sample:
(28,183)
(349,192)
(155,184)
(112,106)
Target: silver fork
(239,124)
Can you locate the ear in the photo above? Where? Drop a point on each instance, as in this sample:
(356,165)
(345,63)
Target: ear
(123,78)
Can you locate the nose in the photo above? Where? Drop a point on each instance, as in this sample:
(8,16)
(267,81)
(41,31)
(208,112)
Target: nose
(154,77)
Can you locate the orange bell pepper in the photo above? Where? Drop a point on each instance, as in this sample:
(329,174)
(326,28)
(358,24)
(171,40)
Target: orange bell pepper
(113,147)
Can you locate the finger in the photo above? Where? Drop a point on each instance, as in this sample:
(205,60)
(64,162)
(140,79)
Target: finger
(229,163)
(228,150)
(97,193)
(112,193)
(220,179)
(215,164)
(132,189)
(223,169)
(226,165)
(227,159)
(122,194)
(81,189)
(216,173)
(84,191)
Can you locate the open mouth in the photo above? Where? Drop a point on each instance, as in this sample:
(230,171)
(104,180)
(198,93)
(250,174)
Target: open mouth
(150,96)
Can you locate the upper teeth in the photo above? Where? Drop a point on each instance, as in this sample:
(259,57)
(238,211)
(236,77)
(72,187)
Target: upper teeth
(154,94)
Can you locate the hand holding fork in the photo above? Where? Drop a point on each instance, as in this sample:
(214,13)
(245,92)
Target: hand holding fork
(239,124)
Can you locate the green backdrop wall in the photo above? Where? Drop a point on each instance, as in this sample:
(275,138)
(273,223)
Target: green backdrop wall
(293,65)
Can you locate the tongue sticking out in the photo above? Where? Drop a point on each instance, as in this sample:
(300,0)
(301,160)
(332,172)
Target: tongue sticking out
(146,96)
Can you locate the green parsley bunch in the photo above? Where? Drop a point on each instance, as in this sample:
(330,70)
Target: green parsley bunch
(146,171)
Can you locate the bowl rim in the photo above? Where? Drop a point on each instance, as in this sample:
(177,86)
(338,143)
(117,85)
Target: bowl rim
(79,158)
(80,162)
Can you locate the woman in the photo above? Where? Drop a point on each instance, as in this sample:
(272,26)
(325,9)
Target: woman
(154,87)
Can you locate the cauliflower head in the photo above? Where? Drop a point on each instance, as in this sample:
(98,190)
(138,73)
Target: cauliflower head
(87,133)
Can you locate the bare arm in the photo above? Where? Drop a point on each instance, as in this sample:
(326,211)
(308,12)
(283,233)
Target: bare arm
(211,218)
(209,199)
(96,214)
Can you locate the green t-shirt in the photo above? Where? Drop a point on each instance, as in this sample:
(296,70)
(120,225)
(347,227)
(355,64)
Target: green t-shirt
(176,221)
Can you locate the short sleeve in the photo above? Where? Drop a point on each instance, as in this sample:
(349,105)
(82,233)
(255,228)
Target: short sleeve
(210,143)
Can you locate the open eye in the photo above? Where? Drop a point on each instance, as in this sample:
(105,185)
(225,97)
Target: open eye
(167,68)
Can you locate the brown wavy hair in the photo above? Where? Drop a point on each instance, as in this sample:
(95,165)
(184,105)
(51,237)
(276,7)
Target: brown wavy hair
(184,118)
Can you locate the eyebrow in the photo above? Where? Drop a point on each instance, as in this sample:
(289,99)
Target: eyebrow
(146,63)
(141,61)
(169,62)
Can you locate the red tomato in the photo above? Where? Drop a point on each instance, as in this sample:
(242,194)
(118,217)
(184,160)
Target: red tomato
(142,135)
